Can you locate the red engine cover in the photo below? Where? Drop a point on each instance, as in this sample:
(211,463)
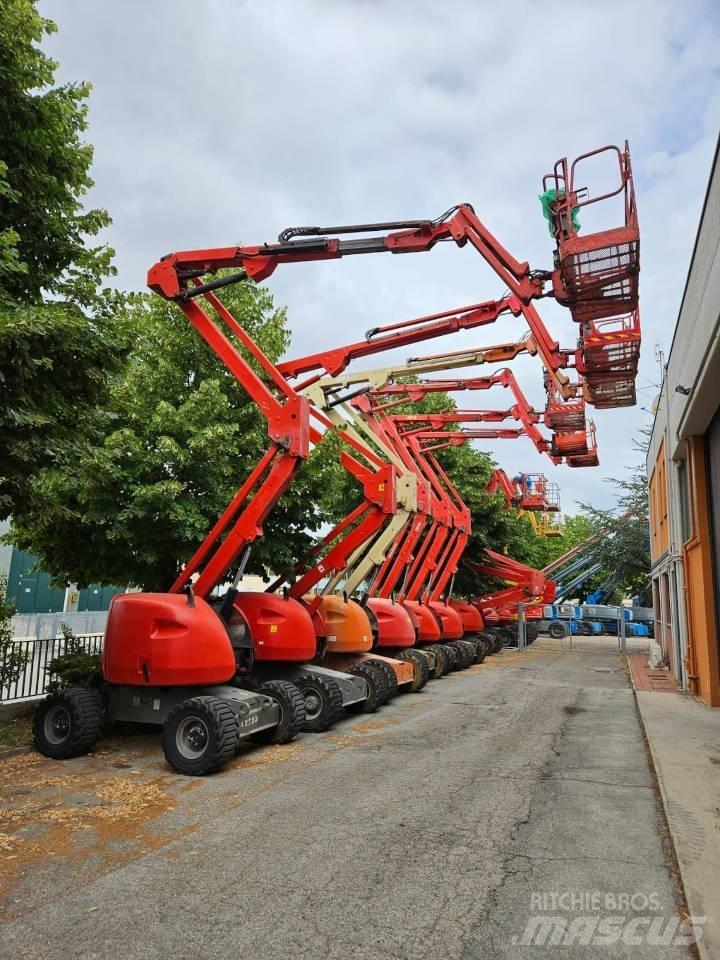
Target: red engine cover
(452,625)
(426,623)
(281,628)
(469,614)
(395,627)
(158,639)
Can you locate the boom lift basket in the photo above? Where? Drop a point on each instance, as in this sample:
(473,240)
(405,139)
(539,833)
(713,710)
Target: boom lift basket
(609,359)
(596,276)
(537,493)
(598,273)
(564,416)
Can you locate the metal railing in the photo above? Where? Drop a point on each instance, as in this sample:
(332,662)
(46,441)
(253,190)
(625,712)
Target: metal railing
(33,680)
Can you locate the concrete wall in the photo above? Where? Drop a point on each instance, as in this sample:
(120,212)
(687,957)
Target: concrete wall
(694,358)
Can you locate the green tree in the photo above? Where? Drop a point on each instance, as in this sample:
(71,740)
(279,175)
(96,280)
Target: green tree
(75,666)
(58,337)
(624,548)
(179,437)
(13,656)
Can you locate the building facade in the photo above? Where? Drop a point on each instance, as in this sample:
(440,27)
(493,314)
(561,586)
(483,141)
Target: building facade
(30,589)
(683,469)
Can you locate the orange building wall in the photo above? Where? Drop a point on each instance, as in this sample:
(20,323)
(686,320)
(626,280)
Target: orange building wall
(702,653)
(659,534)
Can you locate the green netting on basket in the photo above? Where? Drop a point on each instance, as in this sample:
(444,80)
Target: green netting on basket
(547,199)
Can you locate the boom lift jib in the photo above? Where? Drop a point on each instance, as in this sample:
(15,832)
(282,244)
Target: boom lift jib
(596,275)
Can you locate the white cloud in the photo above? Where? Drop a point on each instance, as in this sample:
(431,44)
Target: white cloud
(227,121)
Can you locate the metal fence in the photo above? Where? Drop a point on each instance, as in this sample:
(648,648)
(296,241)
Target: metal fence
(33,680)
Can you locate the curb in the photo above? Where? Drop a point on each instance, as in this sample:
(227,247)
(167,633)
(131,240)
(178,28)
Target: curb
(668,839)
(14,752)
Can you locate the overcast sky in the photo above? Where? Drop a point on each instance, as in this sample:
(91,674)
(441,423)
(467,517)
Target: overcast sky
(225,121)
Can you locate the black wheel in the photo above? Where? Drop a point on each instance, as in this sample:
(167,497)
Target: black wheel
(449,657)
(585,629)
(68,723)
(323,702)
(498,640)
(452,656)
(200,735)
(557,630)
(470,650)
(292,712)
(465,653)
(486,642)
(377,687)
(480,648)
(490,642)
(382,686)
(390,677)
(421,668)
(439,664)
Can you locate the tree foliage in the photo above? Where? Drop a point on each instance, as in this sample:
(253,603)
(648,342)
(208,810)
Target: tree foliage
(75,666)
(13,656)
(624,548)
(46,168)
(179,436)
(58,337)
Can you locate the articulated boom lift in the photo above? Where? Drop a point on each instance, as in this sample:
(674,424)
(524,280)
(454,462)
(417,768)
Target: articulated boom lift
(527,586)
(595,276)
(534,496)
(212,668)
(573,437)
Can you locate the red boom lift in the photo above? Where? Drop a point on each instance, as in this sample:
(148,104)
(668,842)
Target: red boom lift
(177,658)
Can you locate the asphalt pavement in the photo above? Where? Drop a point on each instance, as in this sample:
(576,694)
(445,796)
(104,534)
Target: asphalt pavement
(499,811)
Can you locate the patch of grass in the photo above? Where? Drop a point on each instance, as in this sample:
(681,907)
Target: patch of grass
(16,733)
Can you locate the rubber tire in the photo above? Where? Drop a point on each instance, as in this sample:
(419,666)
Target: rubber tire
(490,640)
(449,657)
(556,630)
(377,687)
(465,654)
(585,629)
(452,655)
(331,701)
(224,734)
(480,648)
(498,641)
(441,663)
(470,651)
(487,643)
(86,722)
(292,712)
(390,677)
(421,668)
